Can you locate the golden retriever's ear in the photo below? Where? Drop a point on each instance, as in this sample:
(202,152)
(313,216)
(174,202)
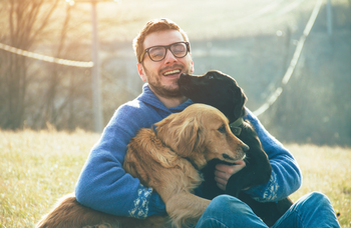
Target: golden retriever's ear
(189,137)
(183,135)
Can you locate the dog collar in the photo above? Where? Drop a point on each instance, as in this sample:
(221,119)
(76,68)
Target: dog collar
(235,126)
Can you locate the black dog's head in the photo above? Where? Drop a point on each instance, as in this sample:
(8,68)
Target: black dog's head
(216,89)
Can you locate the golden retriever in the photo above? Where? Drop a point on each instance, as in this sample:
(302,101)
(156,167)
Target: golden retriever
(168,159)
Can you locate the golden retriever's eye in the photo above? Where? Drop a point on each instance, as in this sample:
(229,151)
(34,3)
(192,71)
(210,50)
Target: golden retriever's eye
(221,129)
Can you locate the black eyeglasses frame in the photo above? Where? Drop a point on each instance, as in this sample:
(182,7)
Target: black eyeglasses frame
(168,47)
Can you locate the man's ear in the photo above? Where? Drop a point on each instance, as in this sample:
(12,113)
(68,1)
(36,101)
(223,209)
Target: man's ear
(192,66)
(141,72)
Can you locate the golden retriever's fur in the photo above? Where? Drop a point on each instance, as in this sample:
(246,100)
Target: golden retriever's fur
(166,159)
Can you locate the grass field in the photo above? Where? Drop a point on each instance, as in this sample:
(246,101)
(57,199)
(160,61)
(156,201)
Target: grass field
(38,167)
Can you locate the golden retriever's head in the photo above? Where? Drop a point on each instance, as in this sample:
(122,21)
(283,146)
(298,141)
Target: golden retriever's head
(201,133)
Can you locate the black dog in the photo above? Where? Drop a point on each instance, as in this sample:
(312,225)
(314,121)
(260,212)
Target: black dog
(221,91)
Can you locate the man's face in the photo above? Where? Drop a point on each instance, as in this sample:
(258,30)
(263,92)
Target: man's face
(163,76)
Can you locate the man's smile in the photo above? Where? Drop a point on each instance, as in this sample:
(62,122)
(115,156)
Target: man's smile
(171,72)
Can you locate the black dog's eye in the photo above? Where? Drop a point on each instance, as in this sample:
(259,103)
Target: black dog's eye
(221,129)
(210,77)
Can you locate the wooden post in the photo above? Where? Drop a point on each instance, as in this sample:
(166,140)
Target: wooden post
(96,84)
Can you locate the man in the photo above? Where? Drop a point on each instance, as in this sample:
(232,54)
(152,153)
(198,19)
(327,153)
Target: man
(163,53)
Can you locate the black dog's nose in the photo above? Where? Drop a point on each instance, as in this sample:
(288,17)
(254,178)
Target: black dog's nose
(183,79)
(184,76)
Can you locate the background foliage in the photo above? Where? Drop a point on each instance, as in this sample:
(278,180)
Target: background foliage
(253,41)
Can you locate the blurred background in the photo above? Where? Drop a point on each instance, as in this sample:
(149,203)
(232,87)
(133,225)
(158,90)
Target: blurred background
(254,41)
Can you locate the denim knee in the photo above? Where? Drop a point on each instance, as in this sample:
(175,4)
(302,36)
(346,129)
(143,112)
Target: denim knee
(315,210)
(225,204)
(221,200)
(317,198)
(227,211)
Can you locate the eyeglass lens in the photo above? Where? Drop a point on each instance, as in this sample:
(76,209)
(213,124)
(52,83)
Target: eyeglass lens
(158,53)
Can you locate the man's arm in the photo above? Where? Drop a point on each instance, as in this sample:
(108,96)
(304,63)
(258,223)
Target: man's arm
(286,176)
(104,185)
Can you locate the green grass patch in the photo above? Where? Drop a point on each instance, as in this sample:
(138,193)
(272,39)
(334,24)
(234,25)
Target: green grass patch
(37,168)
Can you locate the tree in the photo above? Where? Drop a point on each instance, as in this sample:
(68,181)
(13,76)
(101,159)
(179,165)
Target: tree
(27,20)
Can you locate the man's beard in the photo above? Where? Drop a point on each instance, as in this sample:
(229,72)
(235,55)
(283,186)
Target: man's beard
(164,90)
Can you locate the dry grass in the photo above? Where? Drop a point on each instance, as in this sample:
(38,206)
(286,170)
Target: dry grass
(39,167)
(328,170)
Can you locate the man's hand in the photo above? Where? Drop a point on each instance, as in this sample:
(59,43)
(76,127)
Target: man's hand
(224,172)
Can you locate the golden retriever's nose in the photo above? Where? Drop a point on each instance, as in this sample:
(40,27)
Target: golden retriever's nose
(245,147)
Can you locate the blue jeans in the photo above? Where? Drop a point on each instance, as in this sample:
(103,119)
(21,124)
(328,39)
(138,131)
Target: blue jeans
(310,211)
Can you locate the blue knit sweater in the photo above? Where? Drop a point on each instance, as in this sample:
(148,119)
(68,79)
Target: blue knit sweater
(104,185)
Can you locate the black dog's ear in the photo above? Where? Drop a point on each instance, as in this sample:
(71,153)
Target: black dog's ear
(239,110)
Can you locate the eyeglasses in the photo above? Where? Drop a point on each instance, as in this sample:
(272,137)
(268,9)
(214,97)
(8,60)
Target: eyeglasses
(158,53)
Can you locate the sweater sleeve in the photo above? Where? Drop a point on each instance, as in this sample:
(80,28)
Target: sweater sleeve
(286,176)
(104,185)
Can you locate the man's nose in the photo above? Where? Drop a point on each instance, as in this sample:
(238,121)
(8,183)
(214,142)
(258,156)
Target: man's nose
(170,58)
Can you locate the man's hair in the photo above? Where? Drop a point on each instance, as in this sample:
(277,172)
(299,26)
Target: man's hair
(155,25)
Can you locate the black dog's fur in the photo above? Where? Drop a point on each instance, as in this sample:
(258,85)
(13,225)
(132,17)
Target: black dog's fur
(221,91)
